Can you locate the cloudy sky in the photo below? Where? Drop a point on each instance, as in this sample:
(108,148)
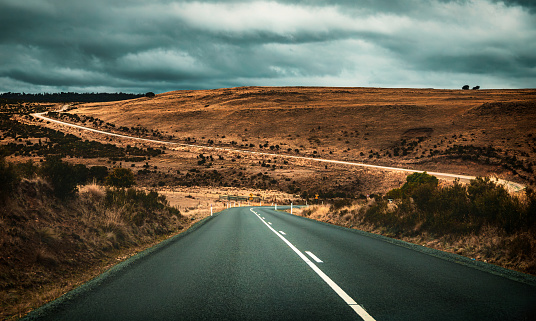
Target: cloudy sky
(163,45)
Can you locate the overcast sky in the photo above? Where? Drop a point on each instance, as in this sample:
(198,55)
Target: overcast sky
(162,45)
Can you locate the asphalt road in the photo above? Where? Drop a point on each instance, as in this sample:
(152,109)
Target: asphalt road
(259,264)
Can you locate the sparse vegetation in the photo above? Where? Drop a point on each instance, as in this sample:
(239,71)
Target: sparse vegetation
(121,178)
(52,142)
(422,209)
(49,244)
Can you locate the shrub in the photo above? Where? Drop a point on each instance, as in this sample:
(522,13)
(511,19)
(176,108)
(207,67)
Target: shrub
(63,176)
(8,178)
(340,203)
(459,208)
(27,170)
(143,204)
(417,183)
(121,177)
(98,173)
(81,173)
(492,204)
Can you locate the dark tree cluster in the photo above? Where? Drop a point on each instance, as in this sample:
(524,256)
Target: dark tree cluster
(466,87)
(52,142)
(64,97)
(63,177)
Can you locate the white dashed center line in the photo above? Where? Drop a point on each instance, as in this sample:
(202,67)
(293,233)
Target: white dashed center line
(282,232)
(314,257)
(356,307)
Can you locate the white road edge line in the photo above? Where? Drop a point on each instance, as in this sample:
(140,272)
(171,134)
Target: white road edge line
(314,257)
(356,307)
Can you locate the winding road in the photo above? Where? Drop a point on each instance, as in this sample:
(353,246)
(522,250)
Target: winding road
(255,263)
(510,185)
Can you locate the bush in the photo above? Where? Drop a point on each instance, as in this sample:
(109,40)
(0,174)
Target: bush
(492,204)
(8,178)
(340,203)
(98,173)
(63,177)
(81,173)
(144,205)
(121,177)
(463,208)
(417,184)
(27,170)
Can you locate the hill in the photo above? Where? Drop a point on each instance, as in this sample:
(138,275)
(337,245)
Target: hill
(474,132)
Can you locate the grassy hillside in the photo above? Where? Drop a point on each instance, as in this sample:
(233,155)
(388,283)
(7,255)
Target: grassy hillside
(52,242)
(477,132)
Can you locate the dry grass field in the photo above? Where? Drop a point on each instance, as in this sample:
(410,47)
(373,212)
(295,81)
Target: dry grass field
(474,132)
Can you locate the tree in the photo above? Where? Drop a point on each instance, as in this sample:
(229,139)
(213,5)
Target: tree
(121,177)
(465,87)
(476,87)
(150,94)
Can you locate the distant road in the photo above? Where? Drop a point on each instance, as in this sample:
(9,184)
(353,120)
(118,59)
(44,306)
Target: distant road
(258,264)
(510,185)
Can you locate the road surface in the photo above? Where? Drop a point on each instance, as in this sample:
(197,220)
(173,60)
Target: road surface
(515,187)
(258,264)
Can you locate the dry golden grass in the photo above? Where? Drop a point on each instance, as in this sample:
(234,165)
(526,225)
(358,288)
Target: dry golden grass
(489,245)
(48,246)
(93,191)
(356,124)
(342,123)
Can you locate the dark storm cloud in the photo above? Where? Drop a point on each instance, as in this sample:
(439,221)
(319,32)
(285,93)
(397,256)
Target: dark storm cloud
(135,45)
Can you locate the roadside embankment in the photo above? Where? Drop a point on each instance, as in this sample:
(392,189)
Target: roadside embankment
(50,245)
(479,220)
